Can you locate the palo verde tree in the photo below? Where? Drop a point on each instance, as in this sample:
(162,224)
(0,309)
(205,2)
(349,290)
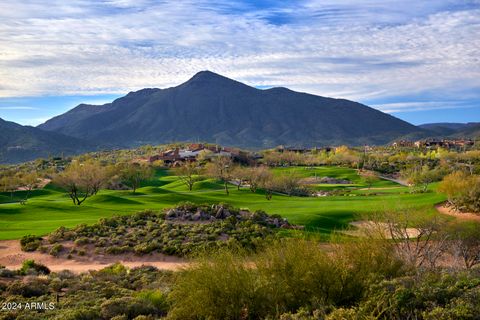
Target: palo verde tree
(133,174)
(188,173)
(9,182)
(462,190)
(81,180)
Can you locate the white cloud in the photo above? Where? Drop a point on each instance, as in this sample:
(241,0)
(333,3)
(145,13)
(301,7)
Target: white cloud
(372,50)
(421,106)
(18,108)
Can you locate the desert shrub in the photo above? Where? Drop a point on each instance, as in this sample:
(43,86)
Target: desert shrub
(303,314)
(30,242)
(220,288)
(462,190)
(114,269)
(156,298)
(82,241)
(131,307)
(6,273)
(117,250)
(30,266)
(80,313)
(282,278)
(425,296)
(56,249)
(35,287)
(147,231)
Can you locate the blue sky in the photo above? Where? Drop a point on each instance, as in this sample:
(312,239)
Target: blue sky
(418,60)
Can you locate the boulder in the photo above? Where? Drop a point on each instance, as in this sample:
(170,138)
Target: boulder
(171,213)
(219,214)
(197,216)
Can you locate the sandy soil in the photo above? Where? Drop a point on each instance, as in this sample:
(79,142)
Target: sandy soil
(365,228)
(459,215)
(40,185)
(12,257)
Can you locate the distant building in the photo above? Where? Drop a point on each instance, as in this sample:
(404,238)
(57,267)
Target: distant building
(190,153)
(403,144)
(444,143)
(302,150)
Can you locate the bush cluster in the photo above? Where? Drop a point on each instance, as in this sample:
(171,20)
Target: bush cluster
(173,232)
(112,293)
(30,242)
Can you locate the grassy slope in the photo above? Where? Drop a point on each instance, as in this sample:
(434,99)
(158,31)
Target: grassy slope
(50,208)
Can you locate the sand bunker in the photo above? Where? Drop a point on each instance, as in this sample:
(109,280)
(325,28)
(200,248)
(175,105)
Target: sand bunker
(366,228)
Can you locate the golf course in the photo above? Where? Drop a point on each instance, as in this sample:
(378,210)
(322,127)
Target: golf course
(50,207)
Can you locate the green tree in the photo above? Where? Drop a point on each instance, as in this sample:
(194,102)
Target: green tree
(134,173)
(81,180)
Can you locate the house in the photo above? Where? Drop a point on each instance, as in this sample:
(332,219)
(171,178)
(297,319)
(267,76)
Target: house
(191,152)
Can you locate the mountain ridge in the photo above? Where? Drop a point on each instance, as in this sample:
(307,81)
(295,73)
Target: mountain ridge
(24,143)
(214,108)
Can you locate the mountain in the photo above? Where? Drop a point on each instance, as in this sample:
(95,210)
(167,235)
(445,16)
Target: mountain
(472,130)
(24,143)
(213,108)
(454,130)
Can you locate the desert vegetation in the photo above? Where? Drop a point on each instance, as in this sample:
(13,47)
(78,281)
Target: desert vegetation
(363,239)
(345,278)
(184,230)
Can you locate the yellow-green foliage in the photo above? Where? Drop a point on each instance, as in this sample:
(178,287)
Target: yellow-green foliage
(284,277)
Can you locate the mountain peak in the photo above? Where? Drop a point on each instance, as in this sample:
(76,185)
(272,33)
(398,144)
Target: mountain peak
(211,79)
(206,75)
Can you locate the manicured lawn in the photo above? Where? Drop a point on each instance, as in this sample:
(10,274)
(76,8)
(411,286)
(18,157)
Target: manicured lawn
(50,208)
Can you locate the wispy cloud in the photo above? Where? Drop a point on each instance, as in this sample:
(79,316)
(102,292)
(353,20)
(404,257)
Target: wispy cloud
(360,50)
(422,106)
(18,108)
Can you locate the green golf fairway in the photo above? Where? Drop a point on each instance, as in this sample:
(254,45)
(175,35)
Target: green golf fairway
(51,208)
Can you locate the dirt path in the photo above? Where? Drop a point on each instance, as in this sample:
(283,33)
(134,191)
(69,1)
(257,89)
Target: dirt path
(381,188)
(40,185)
(12,257)
(459,215)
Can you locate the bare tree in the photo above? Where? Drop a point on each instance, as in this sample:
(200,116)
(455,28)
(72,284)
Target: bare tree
(268,183)
(221,168)
(419,239)
(288,183)
(241,175)
(257,176)
(466,242)
(188,174)
(370,178)
(29,181)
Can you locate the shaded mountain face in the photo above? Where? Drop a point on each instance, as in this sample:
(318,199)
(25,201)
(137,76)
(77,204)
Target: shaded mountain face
(24,143)
(212,108)
(455,130)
